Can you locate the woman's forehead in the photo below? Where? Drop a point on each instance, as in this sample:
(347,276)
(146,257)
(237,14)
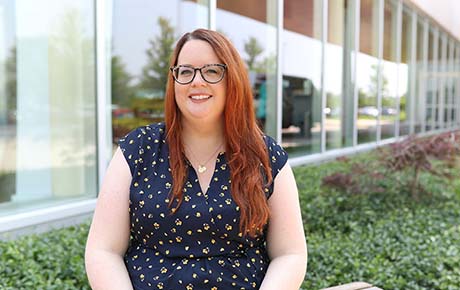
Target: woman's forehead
(197,52)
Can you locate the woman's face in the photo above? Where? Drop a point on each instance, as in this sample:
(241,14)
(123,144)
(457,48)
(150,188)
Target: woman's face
(200,100)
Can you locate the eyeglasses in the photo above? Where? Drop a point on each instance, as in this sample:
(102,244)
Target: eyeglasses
(211,73)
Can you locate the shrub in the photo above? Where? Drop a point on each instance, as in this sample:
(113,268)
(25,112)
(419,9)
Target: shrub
(399,165)
(54,260)
(384,238)
(416,155)
(362,176)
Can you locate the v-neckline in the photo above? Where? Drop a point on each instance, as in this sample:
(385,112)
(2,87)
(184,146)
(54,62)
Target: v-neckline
(217,160)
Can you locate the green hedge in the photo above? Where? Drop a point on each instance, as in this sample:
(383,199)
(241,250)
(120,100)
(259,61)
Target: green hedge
(54,260)
(386,239)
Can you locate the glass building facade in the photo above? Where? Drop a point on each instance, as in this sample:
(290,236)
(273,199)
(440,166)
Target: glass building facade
(329,77)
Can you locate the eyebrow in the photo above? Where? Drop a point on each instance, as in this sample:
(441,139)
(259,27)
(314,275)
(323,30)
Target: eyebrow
(188,64)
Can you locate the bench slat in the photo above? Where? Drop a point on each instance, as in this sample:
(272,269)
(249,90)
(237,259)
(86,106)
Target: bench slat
(353,286)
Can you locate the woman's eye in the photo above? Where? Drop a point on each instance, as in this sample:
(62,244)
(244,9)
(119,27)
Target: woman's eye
(185,72)
(211,71)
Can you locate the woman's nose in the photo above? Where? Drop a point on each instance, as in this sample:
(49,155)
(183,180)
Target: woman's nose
(198,80)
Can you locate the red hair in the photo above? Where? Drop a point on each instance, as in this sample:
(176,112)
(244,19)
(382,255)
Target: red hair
(246,151)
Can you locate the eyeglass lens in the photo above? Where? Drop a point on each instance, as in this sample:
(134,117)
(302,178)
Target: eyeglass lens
(210,73)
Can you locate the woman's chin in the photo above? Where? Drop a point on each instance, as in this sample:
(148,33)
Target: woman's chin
(204,110)
(199,111)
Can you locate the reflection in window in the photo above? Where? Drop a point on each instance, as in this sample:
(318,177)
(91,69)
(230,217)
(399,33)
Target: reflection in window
(440,81)
(8,101)
(456,117)
(368,72)
(443,69)
(455,81)
(250,25)
(420,77)
(140,56)
(389,90)
(450,84)
(338,82)
(404,73)
(48,121)
(453,84)
(301,69)
(431,82)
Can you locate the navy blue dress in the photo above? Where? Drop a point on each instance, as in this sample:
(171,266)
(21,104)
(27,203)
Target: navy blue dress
(199,246)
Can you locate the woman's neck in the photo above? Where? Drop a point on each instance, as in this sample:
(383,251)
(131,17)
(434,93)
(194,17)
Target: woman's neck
(202,137)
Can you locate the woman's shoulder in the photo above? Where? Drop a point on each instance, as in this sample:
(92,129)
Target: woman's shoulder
(273,146)
(154,129)
(269,140)
(276,154)
(138,136)
(141,142)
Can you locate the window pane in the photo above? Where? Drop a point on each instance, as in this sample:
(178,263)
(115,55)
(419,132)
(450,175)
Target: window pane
(457,85)
(431,82)
(301,69)
(339,81)
(439,82)
(444,67)
(140,56)
(368,71)
(450,83)
(389,72)
(48,123)
(404,73)
(251,26)
(420,77)
(455,78)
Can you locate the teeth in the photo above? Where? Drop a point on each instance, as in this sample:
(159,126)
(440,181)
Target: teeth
(200,97)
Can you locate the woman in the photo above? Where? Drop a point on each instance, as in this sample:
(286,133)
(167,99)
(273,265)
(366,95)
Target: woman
(204,200)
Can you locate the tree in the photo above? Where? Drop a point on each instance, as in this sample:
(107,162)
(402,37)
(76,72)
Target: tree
(11,82)
(267,65)
(374,81)
(253,49)
(121,90)
(72,62)
(155,72)
(365,100)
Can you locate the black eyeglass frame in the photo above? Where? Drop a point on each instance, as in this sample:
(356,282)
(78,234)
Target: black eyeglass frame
(224,66)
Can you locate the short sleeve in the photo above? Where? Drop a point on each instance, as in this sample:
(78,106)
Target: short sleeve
(140,146)
(277,158)
(130,146)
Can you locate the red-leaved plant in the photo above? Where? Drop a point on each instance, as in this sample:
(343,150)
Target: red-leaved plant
(361,178)
(412,155)
(416,155)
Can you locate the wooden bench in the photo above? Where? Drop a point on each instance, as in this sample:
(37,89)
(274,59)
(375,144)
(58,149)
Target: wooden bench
(354,286)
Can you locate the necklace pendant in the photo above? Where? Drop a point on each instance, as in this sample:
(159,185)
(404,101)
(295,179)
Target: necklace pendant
(201,168)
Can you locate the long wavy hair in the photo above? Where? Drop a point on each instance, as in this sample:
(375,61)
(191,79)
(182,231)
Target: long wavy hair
(246,151)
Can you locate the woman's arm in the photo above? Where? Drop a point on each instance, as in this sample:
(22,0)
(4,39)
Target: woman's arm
(108,236)
(286,243)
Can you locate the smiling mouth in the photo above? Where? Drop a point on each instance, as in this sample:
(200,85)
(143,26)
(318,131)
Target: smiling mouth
(200,97)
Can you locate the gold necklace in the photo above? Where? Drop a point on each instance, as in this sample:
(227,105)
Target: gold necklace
(202,166)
